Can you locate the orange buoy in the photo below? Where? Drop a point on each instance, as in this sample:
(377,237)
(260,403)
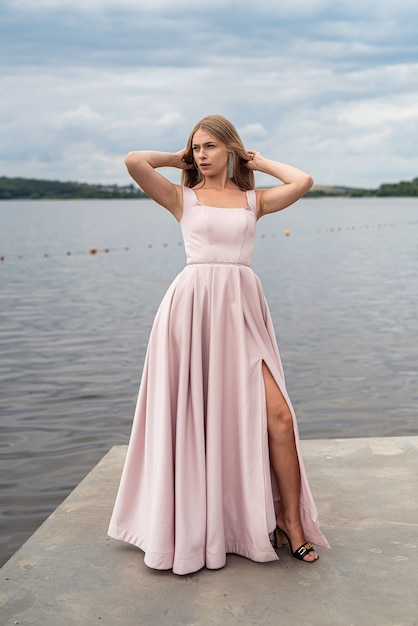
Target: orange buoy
(287,233)
(93,250)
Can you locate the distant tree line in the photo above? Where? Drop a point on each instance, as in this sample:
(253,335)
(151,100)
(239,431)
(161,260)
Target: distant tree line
(36,189)
(404,188)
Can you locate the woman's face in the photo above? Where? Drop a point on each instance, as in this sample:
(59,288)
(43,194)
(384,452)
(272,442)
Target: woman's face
(209,153)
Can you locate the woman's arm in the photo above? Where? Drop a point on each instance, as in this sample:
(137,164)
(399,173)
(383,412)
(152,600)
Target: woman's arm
(142,165)
(296,184)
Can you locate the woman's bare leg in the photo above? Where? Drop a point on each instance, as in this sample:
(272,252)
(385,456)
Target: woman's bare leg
(284,460)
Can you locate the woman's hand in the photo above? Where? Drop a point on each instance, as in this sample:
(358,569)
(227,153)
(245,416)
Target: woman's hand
(253,160)
(181,162)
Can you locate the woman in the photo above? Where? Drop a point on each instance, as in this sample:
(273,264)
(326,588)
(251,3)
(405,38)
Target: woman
(213,464)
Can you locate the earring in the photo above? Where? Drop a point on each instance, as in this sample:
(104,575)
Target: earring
(230,165)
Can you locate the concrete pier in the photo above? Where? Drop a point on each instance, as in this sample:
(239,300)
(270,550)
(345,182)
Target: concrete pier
(71,573)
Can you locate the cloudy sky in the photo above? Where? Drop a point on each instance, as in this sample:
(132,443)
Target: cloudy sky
(327,85)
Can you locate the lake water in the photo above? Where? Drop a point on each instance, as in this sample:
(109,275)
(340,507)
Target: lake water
(342,289)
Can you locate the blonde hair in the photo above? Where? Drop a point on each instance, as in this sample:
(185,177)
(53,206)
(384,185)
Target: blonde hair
(225,131)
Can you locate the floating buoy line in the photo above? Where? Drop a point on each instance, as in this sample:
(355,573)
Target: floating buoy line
(93,250)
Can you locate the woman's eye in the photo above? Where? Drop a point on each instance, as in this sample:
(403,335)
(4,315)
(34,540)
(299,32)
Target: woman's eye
(208,145)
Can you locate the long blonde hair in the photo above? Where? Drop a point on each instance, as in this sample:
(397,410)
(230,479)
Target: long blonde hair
(225,131)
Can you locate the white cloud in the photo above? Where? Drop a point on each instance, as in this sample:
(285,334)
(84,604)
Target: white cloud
(80,117)
(380,112)
(170,118)
(255,130)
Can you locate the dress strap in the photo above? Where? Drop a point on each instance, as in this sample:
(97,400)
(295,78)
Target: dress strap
(252,200)
(189,197)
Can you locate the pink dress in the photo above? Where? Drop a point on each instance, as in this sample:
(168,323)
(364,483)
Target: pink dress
(197,482)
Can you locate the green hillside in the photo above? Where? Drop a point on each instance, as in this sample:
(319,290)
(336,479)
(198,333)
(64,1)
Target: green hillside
(37,189)
(404,188)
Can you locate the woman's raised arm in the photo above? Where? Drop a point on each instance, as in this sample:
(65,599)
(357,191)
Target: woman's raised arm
(295,184)
(142,167)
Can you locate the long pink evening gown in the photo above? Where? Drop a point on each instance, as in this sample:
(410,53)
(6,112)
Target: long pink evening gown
(197,482)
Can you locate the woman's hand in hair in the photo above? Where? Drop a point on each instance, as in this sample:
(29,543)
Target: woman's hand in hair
(182,164)
(254,160)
